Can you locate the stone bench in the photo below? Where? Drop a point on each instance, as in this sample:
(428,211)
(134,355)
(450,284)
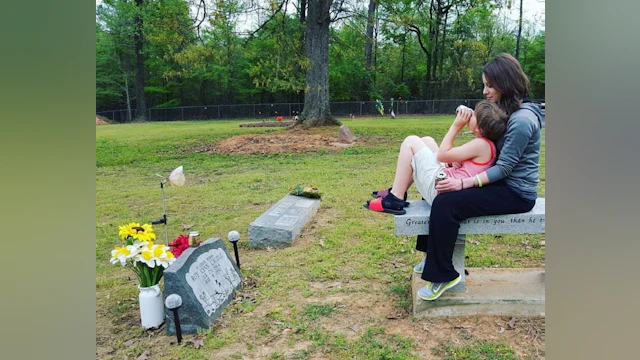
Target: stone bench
(416,222)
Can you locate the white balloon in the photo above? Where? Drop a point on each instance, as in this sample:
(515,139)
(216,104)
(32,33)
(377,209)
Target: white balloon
(177,177)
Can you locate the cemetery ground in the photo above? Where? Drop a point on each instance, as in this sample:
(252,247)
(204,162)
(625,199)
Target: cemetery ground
(341,291)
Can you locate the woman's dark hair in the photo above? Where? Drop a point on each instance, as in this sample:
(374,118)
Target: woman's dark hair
(505,74)
(492,120)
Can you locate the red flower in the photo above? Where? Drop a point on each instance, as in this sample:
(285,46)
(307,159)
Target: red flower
(279,118)
(179,244)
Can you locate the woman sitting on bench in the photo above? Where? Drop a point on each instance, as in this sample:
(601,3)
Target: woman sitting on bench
(508,187)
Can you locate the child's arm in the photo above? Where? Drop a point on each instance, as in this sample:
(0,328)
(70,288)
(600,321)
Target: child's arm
(447,153)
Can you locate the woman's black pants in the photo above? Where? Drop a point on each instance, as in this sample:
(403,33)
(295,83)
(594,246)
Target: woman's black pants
(449,209)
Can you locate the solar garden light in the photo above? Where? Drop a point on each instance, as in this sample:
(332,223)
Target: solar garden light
(234,236)
(173,303)
(176,178)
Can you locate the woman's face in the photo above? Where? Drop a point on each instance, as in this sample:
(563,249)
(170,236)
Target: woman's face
(491,93)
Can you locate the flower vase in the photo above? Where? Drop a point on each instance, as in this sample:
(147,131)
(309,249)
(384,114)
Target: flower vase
(151,306)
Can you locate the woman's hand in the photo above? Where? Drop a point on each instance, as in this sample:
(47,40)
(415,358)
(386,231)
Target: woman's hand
(449,184)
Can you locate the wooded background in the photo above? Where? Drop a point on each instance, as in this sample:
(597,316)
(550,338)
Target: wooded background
(169,53)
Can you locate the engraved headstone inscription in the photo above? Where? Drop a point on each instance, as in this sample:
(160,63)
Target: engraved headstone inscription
(281,224)
(206,278)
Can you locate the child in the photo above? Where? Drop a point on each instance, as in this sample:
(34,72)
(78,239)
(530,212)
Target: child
(420,160)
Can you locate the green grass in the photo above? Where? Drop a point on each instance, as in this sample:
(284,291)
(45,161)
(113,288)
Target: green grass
(225,192)
(477,350)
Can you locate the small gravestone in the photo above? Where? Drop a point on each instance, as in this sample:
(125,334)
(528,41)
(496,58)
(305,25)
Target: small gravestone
(205,277)
(345,135)
(282,223)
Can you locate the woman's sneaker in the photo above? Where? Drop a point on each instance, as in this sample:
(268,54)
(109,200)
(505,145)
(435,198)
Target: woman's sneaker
(433,290)
(420,267)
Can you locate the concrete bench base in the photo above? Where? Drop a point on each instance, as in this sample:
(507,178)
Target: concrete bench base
(501,292)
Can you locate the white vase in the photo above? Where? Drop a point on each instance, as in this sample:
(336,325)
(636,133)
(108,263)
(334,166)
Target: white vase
(151,306)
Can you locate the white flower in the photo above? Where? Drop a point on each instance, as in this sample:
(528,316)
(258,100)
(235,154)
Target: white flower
(163,256)
(146,257)
(120,254)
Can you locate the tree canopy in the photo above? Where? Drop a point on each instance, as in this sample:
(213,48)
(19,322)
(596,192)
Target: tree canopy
(237,52)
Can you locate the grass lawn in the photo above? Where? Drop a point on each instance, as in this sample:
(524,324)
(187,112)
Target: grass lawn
(340,292)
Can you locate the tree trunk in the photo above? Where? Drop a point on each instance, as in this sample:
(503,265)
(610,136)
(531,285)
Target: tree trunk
(126,90)
(426,91)
(404,46)
(141,106)
(368,48)
(316,100)
(442,53)
(519,34)
(303,11)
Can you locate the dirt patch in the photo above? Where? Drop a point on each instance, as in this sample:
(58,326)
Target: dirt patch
(100,121)
(269,124)
(294,140)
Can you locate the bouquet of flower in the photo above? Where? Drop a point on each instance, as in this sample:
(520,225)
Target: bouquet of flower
(146,259)
(310,191)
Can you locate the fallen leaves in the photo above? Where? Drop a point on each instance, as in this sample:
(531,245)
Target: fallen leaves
(244,296)
(464,327)
(512,323)
(197,343)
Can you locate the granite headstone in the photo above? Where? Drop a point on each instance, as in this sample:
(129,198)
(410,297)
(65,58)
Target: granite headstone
(282,223)
(206,278)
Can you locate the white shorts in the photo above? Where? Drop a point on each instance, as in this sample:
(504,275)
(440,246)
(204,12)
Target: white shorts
(425,168)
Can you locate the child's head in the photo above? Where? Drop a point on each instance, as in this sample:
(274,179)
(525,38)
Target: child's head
(488,120)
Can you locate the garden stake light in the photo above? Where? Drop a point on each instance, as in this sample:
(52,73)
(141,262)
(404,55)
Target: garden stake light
(176,178)
(234,236)
(173,303)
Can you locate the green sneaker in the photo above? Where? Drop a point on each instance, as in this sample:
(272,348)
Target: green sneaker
(433,290)
(420,267)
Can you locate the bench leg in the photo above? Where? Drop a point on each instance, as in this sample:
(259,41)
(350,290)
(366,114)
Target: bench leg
(458,263)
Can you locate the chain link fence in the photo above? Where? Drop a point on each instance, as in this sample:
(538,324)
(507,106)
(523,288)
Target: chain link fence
(289,110)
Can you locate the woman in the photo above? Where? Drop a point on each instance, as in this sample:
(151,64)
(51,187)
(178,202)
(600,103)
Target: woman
(508,187)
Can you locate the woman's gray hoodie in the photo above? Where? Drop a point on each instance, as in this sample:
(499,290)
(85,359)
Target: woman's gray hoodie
(519,152)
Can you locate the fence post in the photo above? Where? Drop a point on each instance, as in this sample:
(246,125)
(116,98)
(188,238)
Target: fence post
(361,107)
(113,117)
(218,112)
(149,114)
(182,113)
(289,110)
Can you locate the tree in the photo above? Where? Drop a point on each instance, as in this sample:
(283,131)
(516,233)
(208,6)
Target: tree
(316,110)
(114,54)
(138,38)
(519,33)
(369,46)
